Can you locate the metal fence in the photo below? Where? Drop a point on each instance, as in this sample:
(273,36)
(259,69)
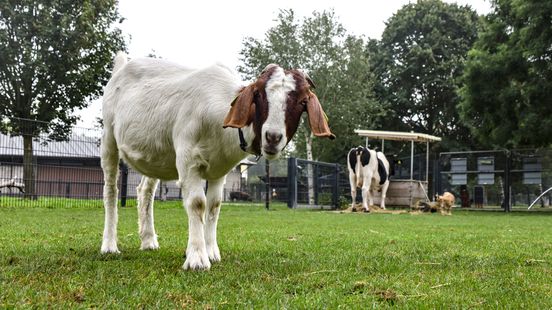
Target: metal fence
(504,179)
(66,171)
(39,167)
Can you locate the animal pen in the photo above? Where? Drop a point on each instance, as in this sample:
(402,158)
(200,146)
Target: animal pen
(403,192)
(68,173)
(498,179)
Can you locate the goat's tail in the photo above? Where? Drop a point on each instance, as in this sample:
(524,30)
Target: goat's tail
(119,61)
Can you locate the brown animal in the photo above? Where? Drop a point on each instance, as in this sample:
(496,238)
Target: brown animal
(445,202)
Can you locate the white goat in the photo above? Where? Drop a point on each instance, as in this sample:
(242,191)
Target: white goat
(368,170)
(168,122)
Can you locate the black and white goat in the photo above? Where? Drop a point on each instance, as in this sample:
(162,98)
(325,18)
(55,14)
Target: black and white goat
(170,122)
(368,170)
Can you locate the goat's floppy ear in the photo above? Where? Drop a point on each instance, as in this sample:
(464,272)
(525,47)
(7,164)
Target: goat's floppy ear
(240,109)
(318,120)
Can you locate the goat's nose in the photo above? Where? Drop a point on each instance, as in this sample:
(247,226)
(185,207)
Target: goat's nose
(273,137)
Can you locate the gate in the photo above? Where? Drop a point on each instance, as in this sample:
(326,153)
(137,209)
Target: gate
(312,184)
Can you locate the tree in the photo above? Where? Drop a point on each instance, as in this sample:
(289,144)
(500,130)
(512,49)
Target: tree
(417,64)
(508,78)
(337,63)
(54,57)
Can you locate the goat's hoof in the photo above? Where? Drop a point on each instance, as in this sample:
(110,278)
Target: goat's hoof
(214,253)
(196,260)
(149,244)
(106,249)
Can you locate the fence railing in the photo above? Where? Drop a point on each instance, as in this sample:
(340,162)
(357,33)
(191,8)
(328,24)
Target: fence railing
(504,179)
(65,170)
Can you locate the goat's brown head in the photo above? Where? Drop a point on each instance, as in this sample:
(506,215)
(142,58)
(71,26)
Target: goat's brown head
(273,104)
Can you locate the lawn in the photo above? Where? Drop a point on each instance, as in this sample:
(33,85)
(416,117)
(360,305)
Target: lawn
(49,257)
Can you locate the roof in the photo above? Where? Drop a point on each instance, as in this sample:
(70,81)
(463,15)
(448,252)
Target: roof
(78,146)
(397,135)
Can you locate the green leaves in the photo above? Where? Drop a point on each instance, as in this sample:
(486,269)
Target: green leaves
(417,64)
(508,77)
(54,57)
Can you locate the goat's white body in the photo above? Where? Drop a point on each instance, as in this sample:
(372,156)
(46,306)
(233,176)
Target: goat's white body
(154,107)
(367,178)
(166,122)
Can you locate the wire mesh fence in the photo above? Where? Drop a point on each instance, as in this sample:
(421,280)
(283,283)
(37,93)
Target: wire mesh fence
(41,167)
(504,179)
(46,164)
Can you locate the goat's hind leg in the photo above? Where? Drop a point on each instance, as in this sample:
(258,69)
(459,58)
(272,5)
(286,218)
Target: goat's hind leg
(110,167)
(353,184)
(214,198)
(145,192)
(384,188)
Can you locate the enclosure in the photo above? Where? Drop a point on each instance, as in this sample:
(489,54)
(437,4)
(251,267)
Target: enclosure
(68,172)
(497,179)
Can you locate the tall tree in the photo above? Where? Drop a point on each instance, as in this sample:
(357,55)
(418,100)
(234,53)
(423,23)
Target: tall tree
(417,64)
(54,57)
(337,63)
(508,78)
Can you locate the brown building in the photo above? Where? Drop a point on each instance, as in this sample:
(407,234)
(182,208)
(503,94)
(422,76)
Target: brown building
(71,169)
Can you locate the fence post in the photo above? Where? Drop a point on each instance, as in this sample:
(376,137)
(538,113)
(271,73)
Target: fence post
(436,178)
(292,182)
(124,183)
(335,192)
(315,182)
(507,180)
(267,184)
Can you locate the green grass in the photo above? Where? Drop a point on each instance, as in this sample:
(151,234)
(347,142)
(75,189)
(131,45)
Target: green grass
(49,257)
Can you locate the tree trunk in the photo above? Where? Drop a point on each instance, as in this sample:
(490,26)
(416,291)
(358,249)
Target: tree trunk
(28,167)
(310,178)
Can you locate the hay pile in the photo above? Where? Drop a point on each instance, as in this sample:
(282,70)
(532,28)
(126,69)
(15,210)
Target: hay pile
(373,209)
(419,208)
(431,207)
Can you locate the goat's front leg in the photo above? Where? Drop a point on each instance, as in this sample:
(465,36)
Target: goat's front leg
(110,167)
(145,194)
(194,202)
(214,198)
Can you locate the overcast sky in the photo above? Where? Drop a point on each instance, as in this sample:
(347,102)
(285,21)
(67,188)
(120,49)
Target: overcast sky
(201,32)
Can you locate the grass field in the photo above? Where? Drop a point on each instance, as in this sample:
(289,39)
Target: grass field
(49,257)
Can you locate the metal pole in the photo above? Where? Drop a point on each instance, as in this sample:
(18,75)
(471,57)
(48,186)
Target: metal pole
(427,163)
(382,146)
(124,183)
(544,193)
(366,142)
(507,204)
(267,184)
(412,160)
(292,182)
(335,191)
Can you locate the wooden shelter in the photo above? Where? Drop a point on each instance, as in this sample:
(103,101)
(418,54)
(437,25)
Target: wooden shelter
(403,192)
